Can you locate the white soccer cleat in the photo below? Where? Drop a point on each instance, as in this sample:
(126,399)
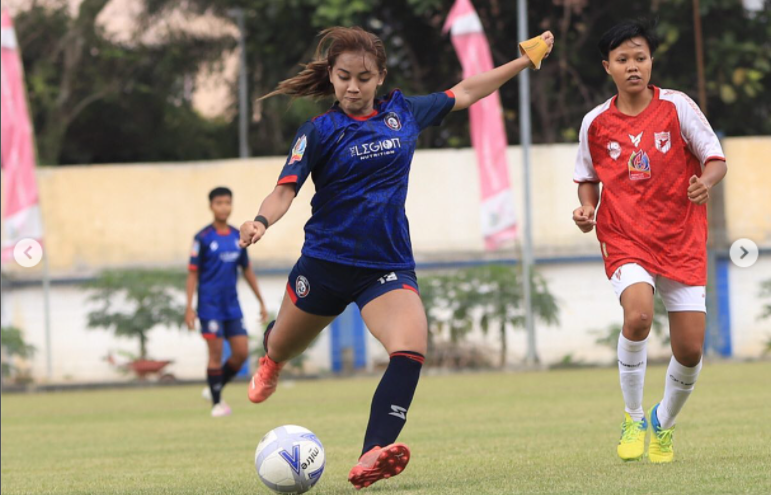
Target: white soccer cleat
(220,410)
(206,394)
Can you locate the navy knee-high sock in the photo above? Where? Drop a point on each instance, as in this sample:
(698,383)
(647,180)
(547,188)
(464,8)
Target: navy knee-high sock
(214,377)
(266,335)
(228,372)
(392,399)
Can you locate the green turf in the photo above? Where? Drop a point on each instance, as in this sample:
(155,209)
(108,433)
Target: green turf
(550,432)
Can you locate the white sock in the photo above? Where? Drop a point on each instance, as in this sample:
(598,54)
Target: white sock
(632,361)
(678,387)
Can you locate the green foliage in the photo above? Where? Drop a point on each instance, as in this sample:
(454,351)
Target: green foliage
(97,100)
(151,296)
(490,296)
(765,292)
(660,323)
(13,345)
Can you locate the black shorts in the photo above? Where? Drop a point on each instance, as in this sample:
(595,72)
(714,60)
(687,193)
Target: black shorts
(325,288)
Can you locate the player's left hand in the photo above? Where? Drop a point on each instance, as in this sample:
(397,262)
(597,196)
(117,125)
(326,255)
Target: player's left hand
(698,191)
(263,315)
(548,37)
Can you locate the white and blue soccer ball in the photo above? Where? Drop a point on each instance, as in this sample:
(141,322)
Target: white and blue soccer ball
(289,459)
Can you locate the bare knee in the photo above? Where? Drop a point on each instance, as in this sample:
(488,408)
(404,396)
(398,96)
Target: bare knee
(238,358)
(688,355)
(637,324)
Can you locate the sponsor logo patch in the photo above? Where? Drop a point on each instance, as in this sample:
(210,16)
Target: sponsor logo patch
(639,166)
(195,249)
(298,151)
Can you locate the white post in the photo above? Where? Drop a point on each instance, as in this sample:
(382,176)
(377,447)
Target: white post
(525,134)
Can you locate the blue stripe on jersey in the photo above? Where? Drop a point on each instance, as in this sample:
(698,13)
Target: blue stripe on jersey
(361,169)
(217,256)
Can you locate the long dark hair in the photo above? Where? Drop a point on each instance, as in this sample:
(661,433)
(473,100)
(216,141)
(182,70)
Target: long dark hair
(313,80)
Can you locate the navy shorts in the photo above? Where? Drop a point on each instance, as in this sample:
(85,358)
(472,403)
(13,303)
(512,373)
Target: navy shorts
(217,329)
(324,288)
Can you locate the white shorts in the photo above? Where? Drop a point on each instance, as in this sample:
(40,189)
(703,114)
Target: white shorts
(676,296)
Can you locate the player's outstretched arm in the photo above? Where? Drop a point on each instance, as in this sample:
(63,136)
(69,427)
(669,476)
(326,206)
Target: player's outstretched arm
(272,209)
(699,187)
(588,196)
(473,89)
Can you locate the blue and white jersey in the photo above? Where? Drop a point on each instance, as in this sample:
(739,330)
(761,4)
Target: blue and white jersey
(216,257)
(361,166)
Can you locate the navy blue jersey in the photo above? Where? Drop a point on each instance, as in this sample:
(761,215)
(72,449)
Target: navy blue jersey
(216,257)
(361,166)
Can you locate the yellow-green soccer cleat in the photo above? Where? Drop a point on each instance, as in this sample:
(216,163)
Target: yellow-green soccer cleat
(660,448)
(631,447)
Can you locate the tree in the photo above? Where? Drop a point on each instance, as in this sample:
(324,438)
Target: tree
(94,99)
(490,295)
(152,298)
(13,346)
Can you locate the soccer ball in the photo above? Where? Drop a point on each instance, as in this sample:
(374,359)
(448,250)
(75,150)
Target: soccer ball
(289,459)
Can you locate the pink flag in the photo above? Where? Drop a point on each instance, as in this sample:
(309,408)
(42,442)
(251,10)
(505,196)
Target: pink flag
(488,136)
(21,217)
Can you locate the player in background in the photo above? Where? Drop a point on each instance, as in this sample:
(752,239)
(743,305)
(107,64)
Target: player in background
(357,244)
(657,159)
(213,270)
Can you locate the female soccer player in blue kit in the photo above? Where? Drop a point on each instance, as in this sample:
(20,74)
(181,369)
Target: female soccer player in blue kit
(357,244)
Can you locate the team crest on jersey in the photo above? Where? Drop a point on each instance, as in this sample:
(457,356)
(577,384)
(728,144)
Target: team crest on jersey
(393,122)
(302,286)
(214,246)
(614,149)
(636,139)
(663,141)
(298,150)
(639,166)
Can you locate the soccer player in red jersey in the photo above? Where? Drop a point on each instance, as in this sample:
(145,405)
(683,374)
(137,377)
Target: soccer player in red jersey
(657,159)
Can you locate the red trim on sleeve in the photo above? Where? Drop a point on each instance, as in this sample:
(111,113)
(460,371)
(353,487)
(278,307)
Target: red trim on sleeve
(722,158)
(291,293)
(289,179)
(193,268)
(450,94)
(414,357)
(409,287)
(209,336)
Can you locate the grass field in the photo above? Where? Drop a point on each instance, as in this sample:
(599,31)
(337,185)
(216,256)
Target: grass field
(550,432)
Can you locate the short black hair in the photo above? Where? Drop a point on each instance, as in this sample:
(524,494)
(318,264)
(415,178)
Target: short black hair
(627,30)
(219,191)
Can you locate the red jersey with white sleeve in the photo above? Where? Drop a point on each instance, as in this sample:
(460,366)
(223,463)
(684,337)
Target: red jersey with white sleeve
(645,163)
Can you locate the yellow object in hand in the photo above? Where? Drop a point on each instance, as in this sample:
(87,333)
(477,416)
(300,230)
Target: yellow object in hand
(535,49)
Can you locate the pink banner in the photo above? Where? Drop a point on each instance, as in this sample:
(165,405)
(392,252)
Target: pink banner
(488,135)
(21,216)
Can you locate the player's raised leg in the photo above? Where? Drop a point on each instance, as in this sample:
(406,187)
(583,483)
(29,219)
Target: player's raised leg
(687,330)
(397,319)
(635,286)
(291,333)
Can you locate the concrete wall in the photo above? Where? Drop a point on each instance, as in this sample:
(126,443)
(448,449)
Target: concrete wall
(116,215)
(101,216)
